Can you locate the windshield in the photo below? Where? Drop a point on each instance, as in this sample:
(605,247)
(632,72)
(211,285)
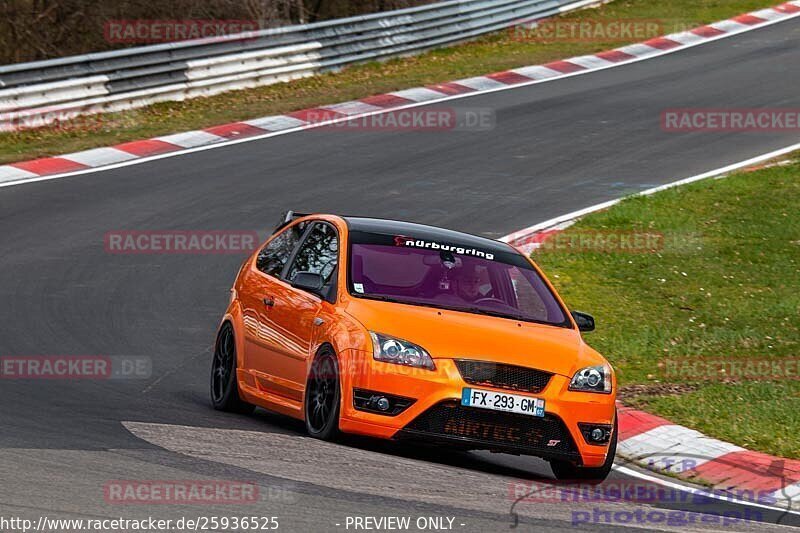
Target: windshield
(497,284)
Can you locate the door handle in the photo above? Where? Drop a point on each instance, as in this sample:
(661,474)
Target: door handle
(269,302)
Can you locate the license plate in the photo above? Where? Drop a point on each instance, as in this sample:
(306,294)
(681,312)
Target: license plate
(501,401)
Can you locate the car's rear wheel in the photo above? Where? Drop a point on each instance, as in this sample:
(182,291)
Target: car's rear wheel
(322,397)
(224,385)
(566,471)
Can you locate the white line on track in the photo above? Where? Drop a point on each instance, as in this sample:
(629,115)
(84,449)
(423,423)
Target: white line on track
(700,491)
(719,172)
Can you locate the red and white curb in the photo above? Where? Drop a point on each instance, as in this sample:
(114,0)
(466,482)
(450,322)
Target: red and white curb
(661,446)
(139,151)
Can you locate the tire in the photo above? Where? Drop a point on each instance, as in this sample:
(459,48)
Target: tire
(566,471)
(323,397)
(224,385)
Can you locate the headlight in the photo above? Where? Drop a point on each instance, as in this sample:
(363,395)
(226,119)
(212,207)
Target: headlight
(400,352)
(592,379)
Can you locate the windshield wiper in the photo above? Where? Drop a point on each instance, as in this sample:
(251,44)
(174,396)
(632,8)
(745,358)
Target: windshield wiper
(482,311)
(474,310)
(381,297)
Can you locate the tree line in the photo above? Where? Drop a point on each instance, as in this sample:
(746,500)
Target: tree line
(32,30)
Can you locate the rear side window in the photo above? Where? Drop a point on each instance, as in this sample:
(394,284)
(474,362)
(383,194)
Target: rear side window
(274,256)
(318,254)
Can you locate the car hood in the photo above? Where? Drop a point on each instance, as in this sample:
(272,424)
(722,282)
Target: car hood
(446,334)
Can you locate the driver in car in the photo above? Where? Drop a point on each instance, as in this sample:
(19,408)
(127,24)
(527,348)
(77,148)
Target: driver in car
(469,283)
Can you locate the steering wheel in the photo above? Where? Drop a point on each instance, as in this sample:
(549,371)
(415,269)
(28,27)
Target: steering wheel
(490,299)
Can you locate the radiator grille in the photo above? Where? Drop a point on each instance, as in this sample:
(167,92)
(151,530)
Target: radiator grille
(503,376)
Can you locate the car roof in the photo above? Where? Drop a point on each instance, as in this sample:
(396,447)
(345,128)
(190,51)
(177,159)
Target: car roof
(425,232)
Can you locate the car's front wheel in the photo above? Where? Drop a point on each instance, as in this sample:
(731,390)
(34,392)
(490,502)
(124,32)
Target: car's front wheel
(322,397)
(565,471)
(224,385)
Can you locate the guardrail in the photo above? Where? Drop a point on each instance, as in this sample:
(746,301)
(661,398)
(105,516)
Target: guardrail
(42,92)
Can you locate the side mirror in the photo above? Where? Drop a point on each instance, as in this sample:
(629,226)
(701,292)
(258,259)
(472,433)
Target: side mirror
(308,281)
(585,322)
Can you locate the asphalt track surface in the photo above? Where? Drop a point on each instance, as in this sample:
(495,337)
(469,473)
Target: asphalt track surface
(556,147)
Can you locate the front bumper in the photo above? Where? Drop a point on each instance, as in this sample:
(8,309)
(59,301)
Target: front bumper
(437,416)
(471,428)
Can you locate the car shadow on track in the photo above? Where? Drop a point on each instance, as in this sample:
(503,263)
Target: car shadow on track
(518,467)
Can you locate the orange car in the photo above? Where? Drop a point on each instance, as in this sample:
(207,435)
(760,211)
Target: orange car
(404,331)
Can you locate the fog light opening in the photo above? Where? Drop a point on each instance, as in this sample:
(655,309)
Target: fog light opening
(597,434)
(380,403)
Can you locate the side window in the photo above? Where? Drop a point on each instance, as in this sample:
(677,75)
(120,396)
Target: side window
(273,257)
(319,253)
(528,300)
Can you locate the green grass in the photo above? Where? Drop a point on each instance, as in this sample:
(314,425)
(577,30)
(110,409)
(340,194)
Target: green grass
(725,285)
(492,53)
